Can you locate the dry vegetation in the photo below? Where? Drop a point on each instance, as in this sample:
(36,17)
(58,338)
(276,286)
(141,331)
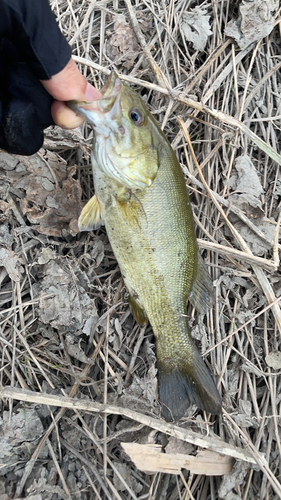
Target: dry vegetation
(66,328)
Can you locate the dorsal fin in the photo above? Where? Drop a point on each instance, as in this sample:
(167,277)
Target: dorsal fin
(201,295)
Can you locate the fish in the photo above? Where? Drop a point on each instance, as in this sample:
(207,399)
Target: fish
(142,199)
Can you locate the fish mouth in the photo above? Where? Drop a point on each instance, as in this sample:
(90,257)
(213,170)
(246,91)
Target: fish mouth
(105,109)
(103,115)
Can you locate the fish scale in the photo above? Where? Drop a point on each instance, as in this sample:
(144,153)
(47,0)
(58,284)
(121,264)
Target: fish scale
(145,207)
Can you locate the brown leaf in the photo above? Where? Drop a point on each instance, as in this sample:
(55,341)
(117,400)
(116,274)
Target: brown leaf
(4,207)
(145,387)
(58,138)
(178,446)
(64,207)
(69,304)
(195,27)
(125,472)
(273,359)
(233,479)
(122,45)
(19,436)
(48,193)
(9,260)
(256,20)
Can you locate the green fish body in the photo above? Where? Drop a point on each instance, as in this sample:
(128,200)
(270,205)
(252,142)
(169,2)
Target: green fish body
(141,197)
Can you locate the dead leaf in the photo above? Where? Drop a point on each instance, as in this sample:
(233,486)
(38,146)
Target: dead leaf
(195,27)
(8,161)
(244,417)
(9,260)
(199,332)
(56,138)
(277,192)
(273,359)
(178,446)
(70,305)
(246,187)
(64,207)
(149,457)
(122,47)
(37,176)
(6,238)
(4,207)
(145,387)
(43,487)
(257,245)
(149,352)
(75,349)
(256,20)
(233,479)
(48,193)
(46,254)
(247,180)
(96,252)
(246,192)
(18,436)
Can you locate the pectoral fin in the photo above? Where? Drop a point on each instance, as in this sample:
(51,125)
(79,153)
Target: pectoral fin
(201,295)
(138,311)
(91,217)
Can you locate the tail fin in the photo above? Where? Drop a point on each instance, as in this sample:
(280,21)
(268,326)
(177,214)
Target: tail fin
(183,384)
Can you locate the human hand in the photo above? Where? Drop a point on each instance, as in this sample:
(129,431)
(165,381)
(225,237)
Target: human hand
(69,85)
(36,75)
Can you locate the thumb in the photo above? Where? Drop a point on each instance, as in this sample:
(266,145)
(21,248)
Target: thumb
(69,84)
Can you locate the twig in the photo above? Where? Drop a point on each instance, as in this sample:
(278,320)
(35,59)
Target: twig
(245,257)
(211,443)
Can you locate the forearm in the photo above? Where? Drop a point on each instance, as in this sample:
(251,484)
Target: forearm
(31,26)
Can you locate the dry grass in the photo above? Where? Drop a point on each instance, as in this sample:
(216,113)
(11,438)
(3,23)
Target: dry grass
(215,106)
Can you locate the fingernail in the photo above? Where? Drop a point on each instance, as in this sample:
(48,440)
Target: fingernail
(91,93)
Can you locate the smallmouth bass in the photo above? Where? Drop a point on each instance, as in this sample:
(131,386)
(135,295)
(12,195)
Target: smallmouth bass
(141,197)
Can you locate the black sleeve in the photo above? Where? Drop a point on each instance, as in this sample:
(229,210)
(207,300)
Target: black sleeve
(32,27)
(32,48)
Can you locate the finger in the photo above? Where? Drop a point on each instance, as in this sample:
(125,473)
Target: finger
(64,116)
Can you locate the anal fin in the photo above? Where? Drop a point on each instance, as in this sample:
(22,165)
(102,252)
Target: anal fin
(91,217)
(138,311)
(201,295)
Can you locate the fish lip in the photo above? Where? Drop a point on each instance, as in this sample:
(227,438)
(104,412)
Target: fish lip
(103,106)
(100,114)
(112,86)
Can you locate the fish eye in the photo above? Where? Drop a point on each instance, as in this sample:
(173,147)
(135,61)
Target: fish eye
(136,117)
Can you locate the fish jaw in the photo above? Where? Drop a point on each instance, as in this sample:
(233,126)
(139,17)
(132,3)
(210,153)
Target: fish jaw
(125,154)
(101,114)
